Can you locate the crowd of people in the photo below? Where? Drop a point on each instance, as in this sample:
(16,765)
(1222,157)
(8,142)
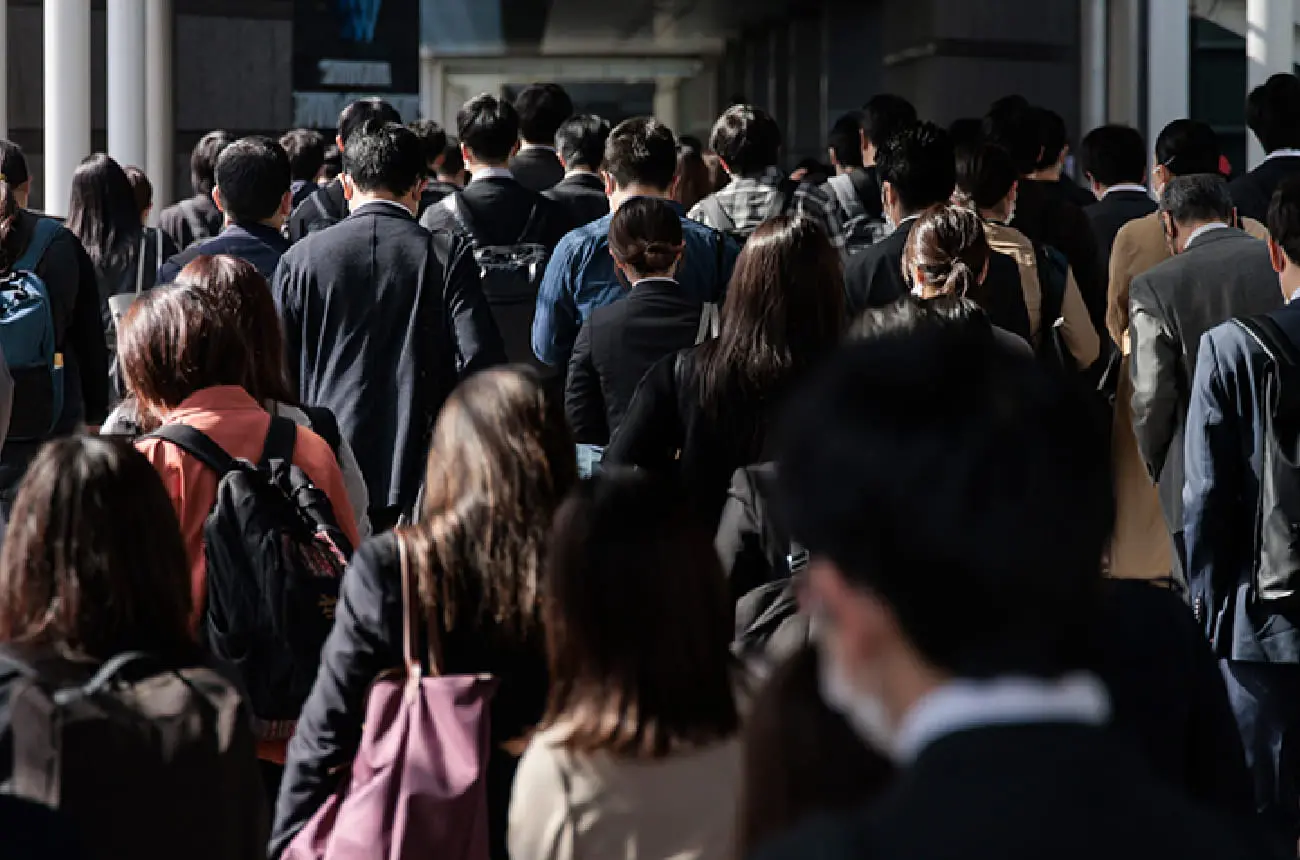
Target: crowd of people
(568,491)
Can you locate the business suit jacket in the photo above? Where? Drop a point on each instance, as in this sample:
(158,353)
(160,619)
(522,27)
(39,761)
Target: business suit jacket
(381,321)
(537,168)
(1222,274)
(500,209)
(324,207)
(1021,792)
(583,197)
(1047,218)
(258,244)
(1224,446)
(1253,191)
(616,346)
(173,222)
(1112,212)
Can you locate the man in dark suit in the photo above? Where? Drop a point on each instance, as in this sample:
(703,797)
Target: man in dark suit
(328,204)
(1257,640)
(198,218)
(1114,159)
(381,320)
(253,192)
(306,150)
(917,170)
(1217,272)
(1050,167)
(542,109)
(1273,114)
(581,144)
(436,150)
(983,711)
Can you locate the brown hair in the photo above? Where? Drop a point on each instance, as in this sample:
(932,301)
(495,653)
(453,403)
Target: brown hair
(645,235)
(501,461)
(694,180)
(13,174)
(800,756)
(140,186)
(949,247)
(75,570)
(638,623)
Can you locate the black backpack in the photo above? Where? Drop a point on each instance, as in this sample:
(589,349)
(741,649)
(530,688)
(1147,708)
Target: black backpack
(511,276)
(275,556)
(1053,279)
(1277,550)
(722,221)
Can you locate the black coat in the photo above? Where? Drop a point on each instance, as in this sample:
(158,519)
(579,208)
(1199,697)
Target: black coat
(173,222)
(616,346)
(583,196)
(1046,217)
(537,169)
(381,320)
(258,244)
(500,209)
(324,207)
(1112,212)
(1252,192)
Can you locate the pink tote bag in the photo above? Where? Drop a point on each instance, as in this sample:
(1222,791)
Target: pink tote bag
(417,790)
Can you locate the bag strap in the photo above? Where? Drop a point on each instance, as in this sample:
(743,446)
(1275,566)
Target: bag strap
(708,323)
(715,213)
(719,263)
(107,672)
(785,194)
(139,263)
(158,254)
(461,213)
(411,620)
(529,225)
(281,436)
(1269,335)
(42,237)
(326,426)
(198,445)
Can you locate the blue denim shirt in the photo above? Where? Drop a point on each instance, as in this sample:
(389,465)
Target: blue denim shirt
(581,277)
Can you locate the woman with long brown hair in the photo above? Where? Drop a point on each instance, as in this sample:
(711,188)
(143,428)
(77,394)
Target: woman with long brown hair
(703,413)
(501,461)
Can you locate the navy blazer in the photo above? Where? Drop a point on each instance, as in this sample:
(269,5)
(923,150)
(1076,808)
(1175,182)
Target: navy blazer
(258,244)
(1223,453)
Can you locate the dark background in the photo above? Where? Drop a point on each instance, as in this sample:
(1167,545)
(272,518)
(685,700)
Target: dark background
(318,29)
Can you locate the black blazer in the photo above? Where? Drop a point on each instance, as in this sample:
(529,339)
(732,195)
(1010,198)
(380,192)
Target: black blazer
(1046,217)
(258,244)
(583,196)
(616,346)
(173,222)
(1253,191)
(323,207)
(500,209)
(1112,212)
(537,169)
(381,320)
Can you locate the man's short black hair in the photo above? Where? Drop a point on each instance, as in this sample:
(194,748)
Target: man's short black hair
(641,150)
(453,163)
(747,139)
(884,115)
(384,156)
(1284,217)
(542,109)
(581,141)
(254,175)
(489,127)
(1188,146)
(845,140)
(1114,155)
(967,133)
(942,472)
(203,160)
(1013,125)
(920,165)
(434,138)
(1196,198)
(362,111)
(986,175)
(1273,112)
(1052,136)
(306,150)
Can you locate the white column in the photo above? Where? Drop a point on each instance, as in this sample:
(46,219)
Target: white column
(67,96)
(433,89)
(160,126)
(126,81)
(665,102)
(1270,48)
(1168,34)
(1124,72)
(1093,30)
(4,68)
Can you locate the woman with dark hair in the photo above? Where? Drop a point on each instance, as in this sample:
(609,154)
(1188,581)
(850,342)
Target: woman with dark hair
(620,342)
(142,188)
(703,413)
(501,462)
(694,181)
(638,757)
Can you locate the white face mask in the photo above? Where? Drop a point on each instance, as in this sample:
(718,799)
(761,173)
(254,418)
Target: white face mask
(1011,213)
(865,712)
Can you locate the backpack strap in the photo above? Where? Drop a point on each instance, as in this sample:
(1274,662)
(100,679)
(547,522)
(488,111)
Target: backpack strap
(107,672)
(1269,335)
(281,436)
(708,323)
(712,209)
(533,215)
(139,263)
(719,263)
(326,426)
(42,238)
(198,445)
(460,212)
(785,194)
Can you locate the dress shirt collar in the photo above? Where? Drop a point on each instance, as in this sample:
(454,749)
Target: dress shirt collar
(525,146)
(1125,186)
(392,204)
(1202,230)
(1294,296)
(967,704)
(491,173)
(654,280)
(1282,153)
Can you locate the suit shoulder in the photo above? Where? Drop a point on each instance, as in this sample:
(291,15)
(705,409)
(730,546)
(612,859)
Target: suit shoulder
(824,837)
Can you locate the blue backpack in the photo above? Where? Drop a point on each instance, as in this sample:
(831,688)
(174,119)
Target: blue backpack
(28,339)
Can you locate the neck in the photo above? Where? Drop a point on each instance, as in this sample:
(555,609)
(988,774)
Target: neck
(579,169)
(361,198)
(636,189)
(1289,278)
(1047,174)
(999,214)
(476,166)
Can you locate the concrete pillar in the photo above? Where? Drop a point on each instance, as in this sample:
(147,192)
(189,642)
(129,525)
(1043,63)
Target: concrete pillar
(160,125)
(805,130)
(433,90)
(666,103)
(1124,70)
(1168,35)
(126,82)
(1092,72)
(67,97)
(1270,48)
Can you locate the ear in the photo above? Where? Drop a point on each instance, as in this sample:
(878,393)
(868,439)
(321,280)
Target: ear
(286,204)
(610,187)
(467,155)
(216,198)
(349,189)
(1276,256)
(437,162)
(514,150)
(338,141)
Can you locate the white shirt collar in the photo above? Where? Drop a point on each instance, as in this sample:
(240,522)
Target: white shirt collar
(1282,153)
(1125,186)
(652,279)
(1202,230)
(1294,296)
(967,704)
(491,173)
(383,202)
(526,145)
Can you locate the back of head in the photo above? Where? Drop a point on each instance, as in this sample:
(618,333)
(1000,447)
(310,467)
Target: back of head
(542,109)
(253,175)
(362,111)
(1284,218)
(693,180)
(939,472)
(1273,112)
(203,160)
(947,250)
(884,116)
(920,164)
(13,175)
(580,142)
(1014,125)
(141,187)
(306,150)
(333,164)
(967,133)
(453,163)
(1187,146)
(641,151)
(845,140)
(1198,198)
(1114,155)
(384,157)
(638,623)
(986,175)
(645,235)
(489,128)
(432,136)
(747,140)
(74,571)
(102,211)
(1051,137)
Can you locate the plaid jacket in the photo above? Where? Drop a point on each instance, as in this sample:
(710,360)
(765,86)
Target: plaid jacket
(751,200)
